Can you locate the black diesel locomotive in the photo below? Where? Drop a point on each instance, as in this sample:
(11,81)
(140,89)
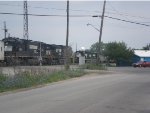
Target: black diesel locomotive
(27,52)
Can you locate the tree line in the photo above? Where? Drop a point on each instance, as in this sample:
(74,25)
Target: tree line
(116,52)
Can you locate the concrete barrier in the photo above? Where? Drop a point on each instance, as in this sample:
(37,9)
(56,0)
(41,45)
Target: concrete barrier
(15,70)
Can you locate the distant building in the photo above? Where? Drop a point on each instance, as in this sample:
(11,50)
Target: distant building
(141,55)
(80,55)
(83,57)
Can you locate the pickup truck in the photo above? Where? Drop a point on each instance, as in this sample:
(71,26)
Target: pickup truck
(141,64)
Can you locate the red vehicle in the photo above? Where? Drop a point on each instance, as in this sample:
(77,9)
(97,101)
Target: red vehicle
(141,64)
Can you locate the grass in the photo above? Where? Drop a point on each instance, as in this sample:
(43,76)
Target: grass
(94,66)
(27,79)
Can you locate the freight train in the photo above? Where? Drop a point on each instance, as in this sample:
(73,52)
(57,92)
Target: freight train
(15,51)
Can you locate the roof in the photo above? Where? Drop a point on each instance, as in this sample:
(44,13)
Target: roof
(142,53)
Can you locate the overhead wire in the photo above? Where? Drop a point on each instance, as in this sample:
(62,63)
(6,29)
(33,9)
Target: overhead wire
(45,15)
(37,7)
(114,9)
(108,12)
(133,22)
(114,18)
(78,16)
(129,21)
(126,15)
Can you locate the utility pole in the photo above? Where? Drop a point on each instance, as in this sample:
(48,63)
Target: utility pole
(67,38)
(40,56)
(25,31)
(5,30)
(100,35)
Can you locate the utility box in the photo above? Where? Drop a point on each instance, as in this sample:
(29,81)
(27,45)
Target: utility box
(1,50)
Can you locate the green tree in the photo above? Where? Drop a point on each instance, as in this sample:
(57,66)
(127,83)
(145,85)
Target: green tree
(118,52)
(94,47)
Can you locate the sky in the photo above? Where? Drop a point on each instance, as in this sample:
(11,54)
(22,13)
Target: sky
(52,30)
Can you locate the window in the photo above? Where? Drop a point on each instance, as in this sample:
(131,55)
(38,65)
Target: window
(33,47)
(20,49)
(35,51)
(94,55)
(58,50)
(90,55)
(8,48)
(48,52)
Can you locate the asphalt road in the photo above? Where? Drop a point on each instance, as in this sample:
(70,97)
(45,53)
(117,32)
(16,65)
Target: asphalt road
(126,90)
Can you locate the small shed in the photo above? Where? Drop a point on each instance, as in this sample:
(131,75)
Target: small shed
(141,55)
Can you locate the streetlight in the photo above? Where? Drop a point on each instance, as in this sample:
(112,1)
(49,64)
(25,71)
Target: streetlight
(93,27)
(98,47)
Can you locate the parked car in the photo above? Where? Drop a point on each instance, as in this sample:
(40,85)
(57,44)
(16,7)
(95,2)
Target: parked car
(141,64)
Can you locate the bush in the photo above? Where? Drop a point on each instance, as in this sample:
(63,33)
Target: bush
(2,78)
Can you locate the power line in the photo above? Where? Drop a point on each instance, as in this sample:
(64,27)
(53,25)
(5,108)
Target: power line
(133,22)
(79,10)
(108,12)
(46,15)
(128,21)
(9,4)
(128,15)
(117,12)
(124,13)
(37,7)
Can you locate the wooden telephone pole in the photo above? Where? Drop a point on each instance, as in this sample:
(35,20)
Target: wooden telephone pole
(100,35)
(67,38)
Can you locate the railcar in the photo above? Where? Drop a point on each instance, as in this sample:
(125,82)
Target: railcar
(15,51)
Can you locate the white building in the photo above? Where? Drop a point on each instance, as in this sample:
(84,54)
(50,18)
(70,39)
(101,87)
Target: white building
(141,55)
